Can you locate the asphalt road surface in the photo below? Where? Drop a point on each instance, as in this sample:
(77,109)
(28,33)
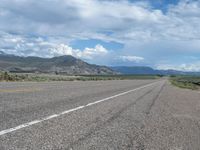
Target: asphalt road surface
(112,115)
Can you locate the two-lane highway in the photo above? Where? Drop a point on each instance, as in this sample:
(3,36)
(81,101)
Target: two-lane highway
(97,115)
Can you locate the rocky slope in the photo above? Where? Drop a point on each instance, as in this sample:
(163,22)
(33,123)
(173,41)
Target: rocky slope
(59,65)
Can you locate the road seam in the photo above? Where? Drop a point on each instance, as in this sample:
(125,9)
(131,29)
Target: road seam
(6,131)
(154,99)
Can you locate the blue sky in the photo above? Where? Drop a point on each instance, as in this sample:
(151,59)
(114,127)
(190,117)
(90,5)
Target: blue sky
(163,34)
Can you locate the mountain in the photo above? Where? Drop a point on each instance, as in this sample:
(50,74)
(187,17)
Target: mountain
(62,65)
(143,70)
(135,70)
(176,72)
(72,66)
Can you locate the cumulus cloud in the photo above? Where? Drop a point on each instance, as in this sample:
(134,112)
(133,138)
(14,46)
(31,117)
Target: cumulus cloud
(87,53)
(127,20)
(136,59)
(97,51)
(194,67)
(143,29)
(38,46)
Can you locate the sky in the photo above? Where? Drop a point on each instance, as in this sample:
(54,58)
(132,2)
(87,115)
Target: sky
(163,34)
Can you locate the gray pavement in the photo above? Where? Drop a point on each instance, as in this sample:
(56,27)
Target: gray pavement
(157,116)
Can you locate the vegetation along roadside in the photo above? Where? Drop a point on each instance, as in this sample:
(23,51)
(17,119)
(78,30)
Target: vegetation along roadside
(9,77)
(189,82)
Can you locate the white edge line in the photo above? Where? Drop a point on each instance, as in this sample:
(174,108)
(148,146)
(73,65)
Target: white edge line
(3,132)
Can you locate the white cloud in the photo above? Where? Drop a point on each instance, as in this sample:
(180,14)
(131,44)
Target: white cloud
(62,49)
(127,21)
(143,29)
(74,16)
(87,53)
(97,51)
(38,46)
(194,67)
(136,59)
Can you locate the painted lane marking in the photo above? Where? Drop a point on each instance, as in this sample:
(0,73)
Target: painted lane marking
(3,132)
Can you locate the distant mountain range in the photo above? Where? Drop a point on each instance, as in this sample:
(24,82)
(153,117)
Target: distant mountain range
(135,70)
(148,70)
(61,65)
(72,66)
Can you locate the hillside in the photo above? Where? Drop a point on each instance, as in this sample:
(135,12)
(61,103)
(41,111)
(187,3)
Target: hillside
(135,70)
(61,65)
(72,66)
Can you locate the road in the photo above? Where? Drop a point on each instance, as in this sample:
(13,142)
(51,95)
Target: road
(127,114)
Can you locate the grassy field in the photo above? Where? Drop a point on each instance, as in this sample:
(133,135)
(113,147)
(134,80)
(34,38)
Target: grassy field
(4,76)
(189,82)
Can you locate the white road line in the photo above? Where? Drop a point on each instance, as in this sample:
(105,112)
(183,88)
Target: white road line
(3,132)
